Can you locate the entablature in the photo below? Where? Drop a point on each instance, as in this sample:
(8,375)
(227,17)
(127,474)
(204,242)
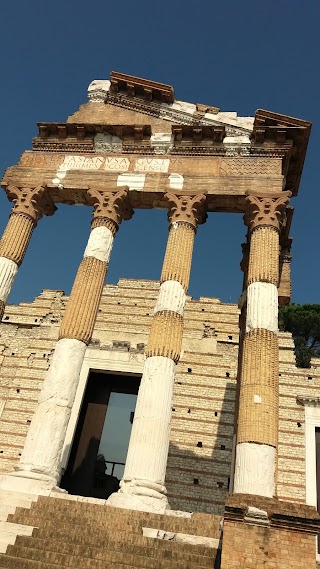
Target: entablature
(285,141)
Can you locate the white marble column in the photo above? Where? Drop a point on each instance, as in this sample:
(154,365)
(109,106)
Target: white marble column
(143,483)
(258,414)
(30,204)
(39,468)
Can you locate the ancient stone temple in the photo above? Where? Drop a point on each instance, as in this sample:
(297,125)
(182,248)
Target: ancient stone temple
(140,427)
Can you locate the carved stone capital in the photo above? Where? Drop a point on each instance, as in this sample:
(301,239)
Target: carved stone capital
(110,206)
(190,209)
(32,202)
(266,209)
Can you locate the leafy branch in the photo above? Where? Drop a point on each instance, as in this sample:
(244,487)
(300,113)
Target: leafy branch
(303,321)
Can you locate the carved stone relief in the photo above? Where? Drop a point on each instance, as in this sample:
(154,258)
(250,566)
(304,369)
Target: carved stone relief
(117,164)
(250,166)
(97,90)
(107,143)
(152,165)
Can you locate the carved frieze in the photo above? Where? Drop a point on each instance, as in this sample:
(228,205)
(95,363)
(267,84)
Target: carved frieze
(117,164)
(40,160)
(107,143)
(97,90)
(250,167)
(152,165)
(161,142)
(79,147)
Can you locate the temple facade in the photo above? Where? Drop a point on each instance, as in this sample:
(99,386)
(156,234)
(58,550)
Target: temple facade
(174,430)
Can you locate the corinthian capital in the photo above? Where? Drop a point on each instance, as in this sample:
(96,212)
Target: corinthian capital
(190,209)
(33,202)
(266,209)
(110,206)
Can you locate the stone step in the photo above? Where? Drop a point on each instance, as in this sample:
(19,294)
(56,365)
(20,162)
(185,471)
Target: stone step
(103,539)
(144,545)
(115,516)
(82,535)
(17,499)
(104,525)
(15,563)
(6,538)
(7,562)
(33,559)
(16,529)
(88,508)
(72,522)
(5,510)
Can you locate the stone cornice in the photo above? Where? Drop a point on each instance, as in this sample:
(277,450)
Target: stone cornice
(285,130)
(272,512)
(308,401)
(188,140)
(144,88)
(179,116)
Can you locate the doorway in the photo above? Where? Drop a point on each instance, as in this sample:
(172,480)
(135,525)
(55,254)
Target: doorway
(99,450)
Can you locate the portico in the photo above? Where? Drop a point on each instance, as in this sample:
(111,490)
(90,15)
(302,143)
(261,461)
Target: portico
(194,162)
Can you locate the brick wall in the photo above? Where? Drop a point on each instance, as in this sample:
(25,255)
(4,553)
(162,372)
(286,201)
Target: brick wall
(264,533)
(251,547)
(199,464)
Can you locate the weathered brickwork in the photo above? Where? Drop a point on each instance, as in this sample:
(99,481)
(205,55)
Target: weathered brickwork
(200,457)
(266,548)
(260,533)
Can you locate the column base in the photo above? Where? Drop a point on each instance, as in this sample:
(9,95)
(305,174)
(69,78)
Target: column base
(29,483)
(140,495)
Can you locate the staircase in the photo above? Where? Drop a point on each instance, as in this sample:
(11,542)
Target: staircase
(79,535)
(9,501)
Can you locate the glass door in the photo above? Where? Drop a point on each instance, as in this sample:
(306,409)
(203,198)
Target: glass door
(113,447)
(100,445)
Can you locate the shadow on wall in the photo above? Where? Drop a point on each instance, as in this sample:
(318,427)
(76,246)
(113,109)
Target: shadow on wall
(199,463)
(198,471)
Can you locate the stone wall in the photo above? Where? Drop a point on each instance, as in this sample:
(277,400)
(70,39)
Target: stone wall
(200,457)
(261,533)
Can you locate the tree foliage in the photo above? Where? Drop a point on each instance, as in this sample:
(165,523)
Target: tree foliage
(303,321)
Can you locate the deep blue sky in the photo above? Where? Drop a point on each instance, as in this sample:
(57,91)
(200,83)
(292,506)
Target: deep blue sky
(239,56)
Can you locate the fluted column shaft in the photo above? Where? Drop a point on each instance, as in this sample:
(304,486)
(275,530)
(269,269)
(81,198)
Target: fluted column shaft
(142,486)
(258,416)
(41,456)
(284,290)
(29,206)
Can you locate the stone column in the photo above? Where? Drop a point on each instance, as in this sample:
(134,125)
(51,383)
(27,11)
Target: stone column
(242,305)
(257,430)
(30,204)
(39,465)
(284,289)
(142,486)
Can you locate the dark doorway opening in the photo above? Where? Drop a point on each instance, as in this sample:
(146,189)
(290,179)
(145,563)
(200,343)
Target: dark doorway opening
(101,440)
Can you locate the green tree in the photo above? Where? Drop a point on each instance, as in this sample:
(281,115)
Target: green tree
(303,321)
